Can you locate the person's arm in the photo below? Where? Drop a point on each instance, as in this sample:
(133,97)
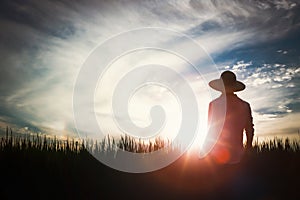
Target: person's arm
(249,127)
(209,117)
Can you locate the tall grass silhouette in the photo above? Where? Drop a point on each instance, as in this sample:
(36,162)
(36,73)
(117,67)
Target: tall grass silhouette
(36,142)
(50,168)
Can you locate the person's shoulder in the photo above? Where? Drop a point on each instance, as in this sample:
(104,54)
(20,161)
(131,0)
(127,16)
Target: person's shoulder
(218,102)
(218,99)
(243,101)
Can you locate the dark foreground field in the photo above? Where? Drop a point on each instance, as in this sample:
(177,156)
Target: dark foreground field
(36,173)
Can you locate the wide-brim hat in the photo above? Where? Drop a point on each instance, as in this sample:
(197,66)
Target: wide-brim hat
(227,83)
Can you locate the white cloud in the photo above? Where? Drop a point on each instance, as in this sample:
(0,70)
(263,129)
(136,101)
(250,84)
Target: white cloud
(284,4)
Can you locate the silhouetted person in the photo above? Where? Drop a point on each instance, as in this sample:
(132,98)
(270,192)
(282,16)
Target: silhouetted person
(228,118)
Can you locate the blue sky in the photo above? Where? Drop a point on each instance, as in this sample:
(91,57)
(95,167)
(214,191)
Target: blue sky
(44,43)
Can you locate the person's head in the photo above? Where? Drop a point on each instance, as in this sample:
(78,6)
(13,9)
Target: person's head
(227,83)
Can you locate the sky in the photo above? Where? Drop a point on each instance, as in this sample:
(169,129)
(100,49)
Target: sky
(43,45)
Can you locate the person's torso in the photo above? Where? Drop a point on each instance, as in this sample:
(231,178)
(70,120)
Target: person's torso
(232,112)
